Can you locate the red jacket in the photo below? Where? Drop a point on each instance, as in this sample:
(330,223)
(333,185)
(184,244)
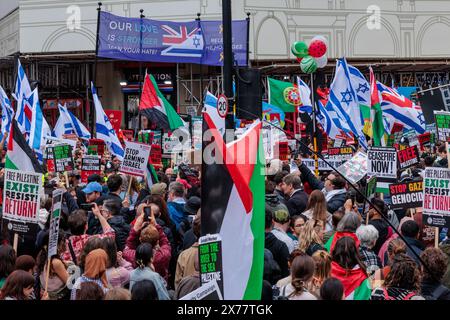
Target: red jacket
(161,254)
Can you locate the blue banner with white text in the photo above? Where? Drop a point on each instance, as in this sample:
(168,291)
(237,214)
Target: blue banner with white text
(198,42)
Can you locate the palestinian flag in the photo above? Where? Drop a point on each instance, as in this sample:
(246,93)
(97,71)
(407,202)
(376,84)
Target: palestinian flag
(378,125)
(152,177)
(156,108)
(20,156)
(355,282)
(329,246)
(284,95)
(233,206)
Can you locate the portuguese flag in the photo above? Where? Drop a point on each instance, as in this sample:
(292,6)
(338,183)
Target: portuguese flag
(233,206)
(19,155)
(284,95)
(156,108)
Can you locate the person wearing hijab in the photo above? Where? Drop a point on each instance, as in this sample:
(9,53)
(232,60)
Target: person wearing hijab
(94,271)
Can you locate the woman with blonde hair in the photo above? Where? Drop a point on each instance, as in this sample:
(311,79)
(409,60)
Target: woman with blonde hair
(311,235)
(94,271)
(322,271)
(317,209)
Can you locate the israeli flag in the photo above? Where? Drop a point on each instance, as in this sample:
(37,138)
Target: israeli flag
(22,91)
(305,96)
(344,101)
(68,123)
(361,86)
(104,129)
(330,121)
(39,129)
(7,111)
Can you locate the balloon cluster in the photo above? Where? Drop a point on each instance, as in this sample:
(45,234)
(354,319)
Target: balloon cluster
(313,56)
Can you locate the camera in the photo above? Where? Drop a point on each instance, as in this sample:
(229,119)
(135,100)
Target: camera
(87,206)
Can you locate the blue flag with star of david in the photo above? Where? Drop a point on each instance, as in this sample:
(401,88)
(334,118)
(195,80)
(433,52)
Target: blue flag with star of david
(344,101)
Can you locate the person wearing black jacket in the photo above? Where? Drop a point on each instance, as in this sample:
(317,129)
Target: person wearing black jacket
(278,248)
(297,198)
(432,287)
(410,231)
(333,187)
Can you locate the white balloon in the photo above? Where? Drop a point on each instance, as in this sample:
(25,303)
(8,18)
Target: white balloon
(322,61)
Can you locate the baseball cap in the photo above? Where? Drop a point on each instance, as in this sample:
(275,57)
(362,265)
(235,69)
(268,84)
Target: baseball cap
(158,189)
(280,212)
(93,187)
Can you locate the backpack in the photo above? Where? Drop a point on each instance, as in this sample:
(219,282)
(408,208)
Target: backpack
(279,294)
(437,292)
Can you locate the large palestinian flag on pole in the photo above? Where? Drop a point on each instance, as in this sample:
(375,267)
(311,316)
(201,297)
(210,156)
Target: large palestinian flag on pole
(156,108)
(20,156)
(233,206)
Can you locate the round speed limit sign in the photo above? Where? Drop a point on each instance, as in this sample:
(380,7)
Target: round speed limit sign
(222,106)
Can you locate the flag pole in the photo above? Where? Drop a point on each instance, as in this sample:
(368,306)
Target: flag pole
(201,64)
(316,159)
(140,72)
(99,10)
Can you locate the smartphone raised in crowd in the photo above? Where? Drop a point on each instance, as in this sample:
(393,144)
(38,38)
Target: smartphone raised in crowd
(147,213)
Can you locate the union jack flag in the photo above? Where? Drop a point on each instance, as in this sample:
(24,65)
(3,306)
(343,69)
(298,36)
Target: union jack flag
(183,43)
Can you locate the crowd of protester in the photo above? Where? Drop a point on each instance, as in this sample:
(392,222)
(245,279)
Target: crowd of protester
(141,243)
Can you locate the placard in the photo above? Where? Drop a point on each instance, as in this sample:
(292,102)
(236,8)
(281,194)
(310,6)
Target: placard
(115,117)
(268,142)
(89,165)
(382,162)
(442,125)
(436,198)
(408,157)
(342,153)
(96,145)
(208,291)
(323,166)
(54,223)
(48,156)
(356,168)
(210,259)
(281,150)
(424,140)
(135,159)
(21,200)
(406,195)
(62,155)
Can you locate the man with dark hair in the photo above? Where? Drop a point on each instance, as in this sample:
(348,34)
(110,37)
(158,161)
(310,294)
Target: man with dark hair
(333,187)
(114,183)
(297,198)
(410,231)
(111,212)
(376,220)
(441,160)
(277,247)
(176,202)
(278,180)
(78,226)
(436,262)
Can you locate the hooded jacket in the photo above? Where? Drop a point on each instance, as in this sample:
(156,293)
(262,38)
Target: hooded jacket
(122,230)
(279,251)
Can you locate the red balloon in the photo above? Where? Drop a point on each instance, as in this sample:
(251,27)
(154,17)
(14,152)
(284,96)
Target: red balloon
(317,48)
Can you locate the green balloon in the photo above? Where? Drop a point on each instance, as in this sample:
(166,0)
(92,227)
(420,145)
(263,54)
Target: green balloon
(299,49)
(308,64)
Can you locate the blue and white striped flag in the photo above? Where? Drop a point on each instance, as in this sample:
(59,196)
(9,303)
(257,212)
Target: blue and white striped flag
(104,129)
(344,101)
(330,121)
(305,96)
(361,86)
(22,92)
(68,123)
(7,111)
(39,127)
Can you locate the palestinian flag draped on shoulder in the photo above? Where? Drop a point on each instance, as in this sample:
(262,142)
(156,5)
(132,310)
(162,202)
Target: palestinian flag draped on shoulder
(233,206)
(20,156)
(156,108)
(355,281)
